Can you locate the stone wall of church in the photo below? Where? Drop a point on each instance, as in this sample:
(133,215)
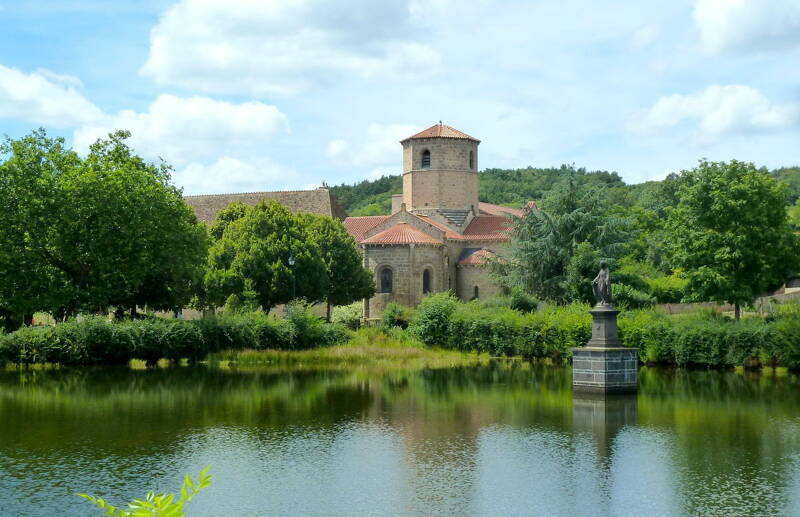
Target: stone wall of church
(408,263)
(470,277)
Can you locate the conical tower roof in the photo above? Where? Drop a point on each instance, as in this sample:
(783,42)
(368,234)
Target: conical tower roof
(441,131)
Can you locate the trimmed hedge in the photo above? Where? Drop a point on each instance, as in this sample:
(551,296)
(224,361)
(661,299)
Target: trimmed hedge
(552,332)
(703,338)
(95,340)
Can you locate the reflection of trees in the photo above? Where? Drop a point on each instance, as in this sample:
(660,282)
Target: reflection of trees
(720,425)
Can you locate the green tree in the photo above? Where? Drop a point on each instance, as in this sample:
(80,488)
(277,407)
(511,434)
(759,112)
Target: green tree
(730,232)
(86,234)
(580,271)
(264,252)
(32,277)
(545,241)
(347,280)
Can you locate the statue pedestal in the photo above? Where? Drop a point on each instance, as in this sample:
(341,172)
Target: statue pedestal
(604,365)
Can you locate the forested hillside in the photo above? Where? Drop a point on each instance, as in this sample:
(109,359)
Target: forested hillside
(514,187)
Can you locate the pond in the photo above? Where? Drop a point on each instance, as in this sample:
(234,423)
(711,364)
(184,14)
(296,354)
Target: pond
(506,438)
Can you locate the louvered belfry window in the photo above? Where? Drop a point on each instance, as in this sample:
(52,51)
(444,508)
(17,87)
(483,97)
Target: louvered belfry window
(426,159)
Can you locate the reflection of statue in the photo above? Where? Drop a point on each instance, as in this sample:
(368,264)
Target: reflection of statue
(601,285)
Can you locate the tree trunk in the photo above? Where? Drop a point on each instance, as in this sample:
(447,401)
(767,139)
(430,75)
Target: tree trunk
(134,314)
(737,311)
(27,320)
(328,313)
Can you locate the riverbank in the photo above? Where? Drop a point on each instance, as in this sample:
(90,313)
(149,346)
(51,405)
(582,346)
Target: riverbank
(442,331)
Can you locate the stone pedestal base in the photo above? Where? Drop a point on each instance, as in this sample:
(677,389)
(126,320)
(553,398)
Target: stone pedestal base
(605,369)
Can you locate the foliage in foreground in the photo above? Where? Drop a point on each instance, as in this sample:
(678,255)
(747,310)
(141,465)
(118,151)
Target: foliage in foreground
(157,505)
(95,340)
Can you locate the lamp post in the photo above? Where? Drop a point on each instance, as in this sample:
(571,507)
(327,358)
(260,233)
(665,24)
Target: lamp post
(291,267)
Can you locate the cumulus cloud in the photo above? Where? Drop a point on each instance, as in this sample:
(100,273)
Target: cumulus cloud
(380,148)
(228,174)
(43,97)
(717,111)
(285,46)
(185,130)
(736,25)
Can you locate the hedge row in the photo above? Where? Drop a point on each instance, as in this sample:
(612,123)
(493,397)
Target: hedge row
(95,340)
(443,321)
(704,338)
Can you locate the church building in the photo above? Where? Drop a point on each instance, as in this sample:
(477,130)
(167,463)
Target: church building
(439,235)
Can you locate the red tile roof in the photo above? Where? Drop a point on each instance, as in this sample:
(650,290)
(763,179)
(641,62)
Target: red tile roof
(441,131)
(477,257)
(491,209)
(488,228)
(358,226)
(401,233)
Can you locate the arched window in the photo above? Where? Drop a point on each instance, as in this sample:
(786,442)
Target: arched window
(471,160)
(385,277)
(476,293)
(426,281)
(426,159)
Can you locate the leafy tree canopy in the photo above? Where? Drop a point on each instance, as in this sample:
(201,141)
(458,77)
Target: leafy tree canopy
(84,234)
(730,232)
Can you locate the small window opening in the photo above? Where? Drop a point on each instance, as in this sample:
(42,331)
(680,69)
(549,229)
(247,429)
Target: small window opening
(426,159)
(471,160)
(386,280)
(476,293)
(426,281)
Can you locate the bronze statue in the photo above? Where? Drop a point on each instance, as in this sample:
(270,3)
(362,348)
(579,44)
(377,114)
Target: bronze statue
(601,285)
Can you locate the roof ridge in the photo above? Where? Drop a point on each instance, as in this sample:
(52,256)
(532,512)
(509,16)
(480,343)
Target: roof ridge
(259,192)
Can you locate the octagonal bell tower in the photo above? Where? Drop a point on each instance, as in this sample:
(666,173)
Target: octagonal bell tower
(440,170)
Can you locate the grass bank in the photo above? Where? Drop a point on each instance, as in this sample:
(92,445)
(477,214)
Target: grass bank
(368,348)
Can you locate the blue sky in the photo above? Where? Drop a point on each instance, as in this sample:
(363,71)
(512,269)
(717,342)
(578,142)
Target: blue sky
(247,95)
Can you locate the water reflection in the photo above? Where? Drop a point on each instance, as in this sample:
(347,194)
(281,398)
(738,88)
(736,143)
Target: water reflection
(502,439)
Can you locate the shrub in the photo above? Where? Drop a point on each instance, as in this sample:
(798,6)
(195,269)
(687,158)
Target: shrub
(95,340)
(348,315)
(432,322)
(668,289)
(523,302)
(555,331)
(494,330)
(627,297)
(396,315)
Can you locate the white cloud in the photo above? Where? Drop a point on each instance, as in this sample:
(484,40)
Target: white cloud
(746,25)
(228,174)
(717,111)
(644,36)
(185,130)
(284,46)
(380,148)
(44,97)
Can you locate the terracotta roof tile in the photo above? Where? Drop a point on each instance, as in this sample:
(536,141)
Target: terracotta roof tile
(318,201)
(358,226)
(475,256)
(401,233)
(491,209)
(441,131)
(488,228)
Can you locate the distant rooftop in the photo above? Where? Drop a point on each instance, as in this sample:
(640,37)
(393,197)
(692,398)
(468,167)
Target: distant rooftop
(317,201)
